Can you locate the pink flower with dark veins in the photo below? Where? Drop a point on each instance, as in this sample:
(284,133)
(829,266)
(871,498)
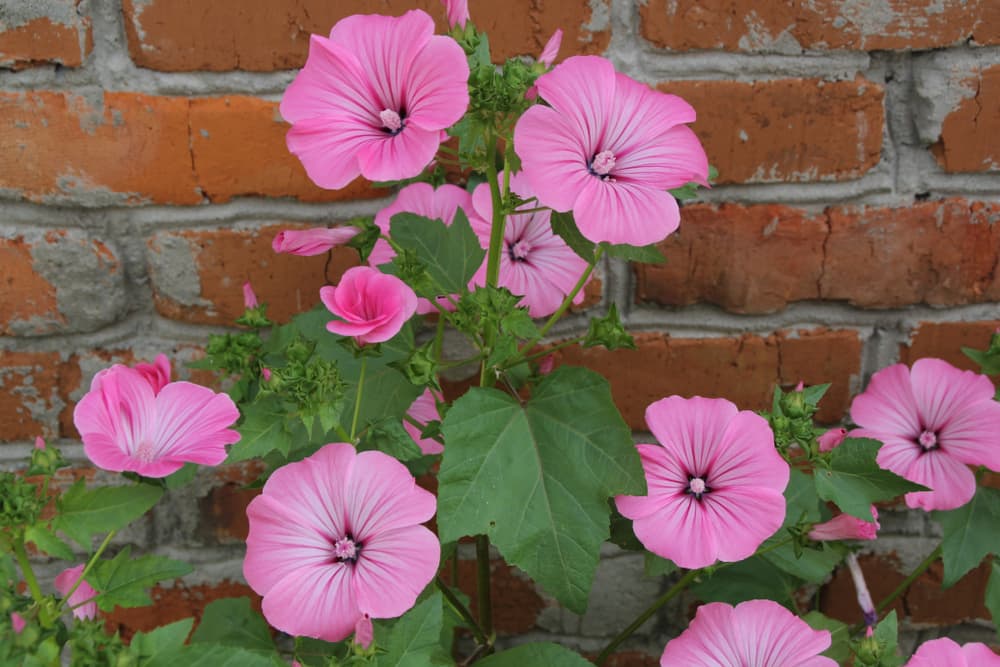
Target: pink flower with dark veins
(315,241)
(944,652)
(846,527)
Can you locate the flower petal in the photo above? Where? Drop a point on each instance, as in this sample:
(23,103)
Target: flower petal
(382,495)
(625,212)
(437,89)
(404,155)
(582,89)
(553,158)
(314,601)
(393,568)
(192,424)
(888,405)
(691,428)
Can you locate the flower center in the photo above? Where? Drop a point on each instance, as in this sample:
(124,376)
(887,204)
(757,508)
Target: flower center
(391,121)
(519,251)
(928,440)
(602,164)
(697,487)
(346,549)
(144,452)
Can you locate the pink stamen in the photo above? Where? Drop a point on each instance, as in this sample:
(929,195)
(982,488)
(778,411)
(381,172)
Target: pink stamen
(928,440)
(145,452)
(603,163)
(345,549)
(520,249)
(390,120)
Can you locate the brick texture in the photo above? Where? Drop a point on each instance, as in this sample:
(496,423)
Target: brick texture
(968,134)
(42,33)
(793,27)
(29,396)
(945,340)
(516,603)
(787,130)
(29,299)
(266,35)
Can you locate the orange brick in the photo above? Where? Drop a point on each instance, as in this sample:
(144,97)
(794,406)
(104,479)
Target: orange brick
(29,397)
(44,33)
(29,300)
(968,135)
(516,603)
(945,340)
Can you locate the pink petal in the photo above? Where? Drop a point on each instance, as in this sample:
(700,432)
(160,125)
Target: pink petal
(394,567)
(846,527)
(888,405)
(315,241)
(747,456)
(742,518)
(192,424)
(314,601)
(329,148)
(693,428)
(438,91)
(331,84)
(65,580)
(157,374)
(382,496)
(554,159)
(951,482)
(941,391)
(458,12)
(641,115)
(582,90)
(680,531)
(671,160)
(115,417)
(665,479)
(831,439)
(551,49)
(972,434)
(622,212)
(943,652)
(364,633)
(980,654)
(397,157)
(17,622)
(424,410)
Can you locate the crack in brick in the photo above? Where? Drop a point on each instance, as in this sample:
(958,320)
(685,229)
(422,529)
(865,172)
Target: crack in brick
(194,168)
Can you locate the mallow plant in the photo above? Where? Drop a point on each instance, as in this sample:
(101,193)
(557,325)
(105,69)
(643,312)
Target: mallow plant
(511,183)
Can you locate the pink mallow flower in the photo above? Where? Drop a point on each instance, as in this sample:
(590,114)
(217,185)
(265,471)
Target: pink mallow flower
(831,439)
(846,527)
(424,410)
(315,241)
(535,264)
(336,537)
(760,633)
(551,49)
(249,297)
(157,374)
(715,483)
(945,652)
(17,622)
(424,200)
(934,421)
(373,99)
(373,305)
(39,442)
(608,148)
(126,424)
(457,11)
(84,592)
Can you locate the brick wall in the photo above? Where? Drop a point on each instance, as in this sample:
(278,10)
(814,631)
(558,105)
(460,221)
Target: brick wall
(143,173)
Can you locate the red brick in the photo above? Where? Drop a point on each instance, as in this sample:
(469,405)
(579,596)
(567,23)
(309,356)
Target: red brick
(746,259)
(229,165)
(940,253)
(744,25)
(119,148)
(516,603)
(29,397)
(743,370)
(266,35)
(29,300)
(788,130)
(226,258)
(46,33)
(224,513)
(945,340)
(968,135)
(629,659)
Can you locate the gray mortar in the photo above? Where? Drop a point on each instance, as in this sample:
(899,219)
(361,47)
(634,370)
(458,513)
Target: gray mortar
(942,79)
(15,13)
(174,270)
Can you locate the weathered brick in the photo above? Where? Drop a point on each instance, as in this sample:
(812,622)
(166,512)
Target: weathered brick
(29,396)
(820,356)
(238,144)
(787,130)
(793,27)
(29,300)
(940,253)
(224,513)
(969,133)
(197,275)
(174,603)
(116,148)
(516,603)
(36,33)
(945,340)
(266,35)
(746,259)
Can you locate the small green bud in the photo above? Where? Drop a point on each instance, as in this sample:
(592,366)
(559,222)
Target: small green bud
(609,332)
(420,367)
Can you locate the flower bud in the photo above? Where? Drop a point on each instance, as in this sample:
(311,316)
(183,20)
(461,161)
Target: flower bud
(831,439)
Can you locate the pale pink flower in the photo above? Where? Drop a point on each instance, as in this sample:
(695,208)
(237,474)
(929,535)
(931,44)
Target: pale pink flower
(608,148)
(373,99)
(831,439)
(756,633)
(364,633)
(868,611)
(249,298)
(934,421)
(17,622)
(457,11)
(846,527)
(945,652)
(424,410)
(315,241)
(551,49)
(373,305)
(157,374)
(337,536)
(39,443)
(125,424)
(535,263)
(714,485)
(424,200)
(84,592)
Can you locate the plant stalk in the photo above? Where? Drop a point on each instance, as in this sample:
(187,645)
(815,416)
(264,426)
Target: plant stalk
(357,399)
(568,301)
(87,569)
(485,605)
(462,611)
(29,575)
(903,586)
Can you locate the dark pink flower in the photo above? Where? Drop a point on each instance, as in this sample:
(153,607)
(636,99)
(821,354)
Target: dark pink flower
(458,12)
(84,592)
(17,622)
(249,298)
(944,652)
(337,537)
(846,527)
(424,410)
(373,99)
(157,374)
(934,421)
(715,483)
(125,424)
(831,439)
(535,264)
(374,306)
(756,633)
(39,443)
(315,241)
(608,148)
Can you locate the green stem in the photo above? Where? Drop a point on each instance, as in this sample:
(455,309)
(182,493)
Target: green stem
(673,592)
(29,575)
(462,610)
(903,586)
(568,301)
(357,399)
(547,351)
(483,584)
(439,338)
(499,219)
(86,570)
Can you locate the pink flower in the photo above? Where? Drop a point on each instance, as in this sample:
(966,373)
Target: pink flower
(422,199)
(364,633)
(831,439)
(373,99)
(458,12)
(125,424)
(760,633)
(315,241)
(608,148)
(84,592)
(335,537)
(249,298)
(534,263)
(39,443)
(157,374)
(551,49)
(715,485)
(424,410)
(373,305)
(945,652)
(868,611)
(265,373)
(846,527)
(934,421)
(17,622)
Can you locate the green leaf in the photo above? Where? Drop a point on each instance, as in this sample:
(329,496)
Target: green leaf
(970,533)
(182,477)
(992,598)
(656,566)
(262,432)
(215,655)
(989,364)
(233,622)
(840,635)
(537,478)
(622,533)
(82,512)
(415,639)
(812,565)
(564,226)
(814,393)
(450,253)
(47,542)
(538,653)
(390,437)
(855,481)
(887,635)
(801,501)
(316,652)
(149,645)
(123,581)
(609,332)
(647,254)
(751,579)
